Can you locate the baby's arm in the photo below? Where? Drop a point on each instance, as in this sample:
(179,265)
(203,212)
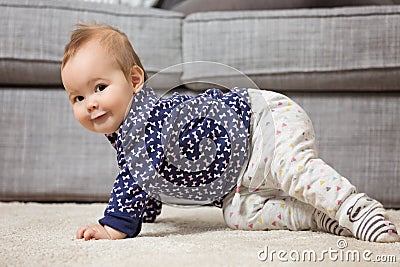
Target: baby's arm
(97,231)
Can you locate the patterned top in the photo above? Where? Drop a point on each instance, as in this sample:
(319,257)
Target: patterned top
(178,148)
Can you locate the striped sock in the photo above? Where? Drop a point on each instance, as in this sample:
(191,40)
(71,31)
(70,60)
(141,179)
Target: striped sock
(366,219)
(329,225)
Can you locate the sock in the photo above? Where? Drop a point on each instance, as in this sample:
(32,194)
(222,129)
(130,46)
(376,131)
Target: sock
(329,225)
(366,219)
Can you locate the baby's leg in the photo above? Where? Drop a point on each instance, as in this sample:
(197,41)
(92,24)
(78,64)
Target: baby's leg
(266,211)
(297,170)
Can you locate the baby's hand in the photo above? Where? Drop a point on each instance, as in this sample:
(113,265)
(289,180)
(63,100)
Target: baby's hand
(97,231)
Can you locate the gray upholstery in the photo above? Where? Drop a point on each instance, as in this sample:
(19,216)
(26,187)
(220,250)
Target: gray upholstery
(341,65)
(332,49)
(192,6)
(47,155)
(34,34)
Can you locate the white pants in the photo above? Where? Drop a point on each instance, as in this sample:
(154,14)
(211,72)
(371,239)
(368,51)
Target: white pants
(285,181)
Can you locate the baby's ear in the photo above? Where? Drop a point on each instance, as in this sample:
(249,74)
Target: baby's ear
(137,78)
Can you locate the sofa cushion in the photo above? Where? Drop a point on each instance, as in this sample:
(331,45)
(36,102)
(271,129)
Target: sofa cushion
(46,155)
(192,6)
(354,48)
(34,34)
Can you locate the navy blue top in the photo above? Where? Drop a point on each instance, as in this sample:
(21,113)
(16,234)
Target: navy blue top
(182,147)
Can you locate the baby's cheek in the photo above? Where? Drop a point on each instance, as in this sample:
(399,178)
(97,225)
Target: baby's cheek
(82,118)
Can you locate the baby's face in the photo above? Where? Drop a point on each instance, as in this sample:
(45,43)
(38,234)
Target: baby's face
(98,90)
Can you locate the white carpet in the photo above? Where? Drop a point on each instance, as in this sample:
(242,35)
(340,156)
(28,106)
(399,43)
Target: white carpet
(43,235)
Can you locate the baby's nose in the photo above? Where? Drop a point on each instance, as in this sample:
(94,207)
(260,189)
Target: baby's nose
(92,104)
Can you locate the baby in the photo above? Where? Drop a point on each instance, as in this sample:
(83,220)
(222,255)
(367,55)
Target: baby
(250,152)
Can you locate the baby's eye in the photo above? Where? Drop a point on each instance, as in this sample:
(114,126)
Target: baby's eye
(78,98)
(100,88)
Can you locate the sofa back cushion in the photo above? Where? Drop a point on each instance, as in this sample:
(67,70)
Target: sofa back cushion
(193,6)
(34,34)
(354,48)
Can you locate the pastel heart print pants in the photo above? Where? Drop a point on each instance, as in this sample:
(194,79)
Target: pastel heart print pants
(285,182)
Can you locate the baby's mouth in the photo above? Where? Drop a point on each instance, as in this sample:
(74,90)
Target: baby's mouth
(97,115)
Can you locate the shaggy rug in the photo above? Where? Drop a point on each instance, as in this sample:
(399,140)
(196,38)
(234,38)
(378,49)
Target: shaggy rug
(35,234)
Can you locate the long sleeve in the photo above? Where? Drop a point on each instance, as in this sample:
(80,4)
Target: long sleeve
(152,210)
(126,205)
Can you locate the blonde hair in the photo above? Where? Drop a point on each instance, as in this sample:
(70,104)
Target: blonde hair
(115,42)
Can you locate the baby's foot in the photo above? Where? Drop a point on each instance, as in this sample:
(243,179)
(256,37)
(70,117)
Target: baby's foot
(366,219)
(326,224)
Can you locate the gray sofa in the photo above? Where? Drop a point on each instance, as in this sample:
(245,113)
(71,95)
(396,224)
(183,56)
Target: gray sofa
(341,64)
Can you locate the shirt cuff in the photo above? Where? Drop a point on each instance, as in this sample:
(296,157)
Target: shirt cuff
(131,227)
